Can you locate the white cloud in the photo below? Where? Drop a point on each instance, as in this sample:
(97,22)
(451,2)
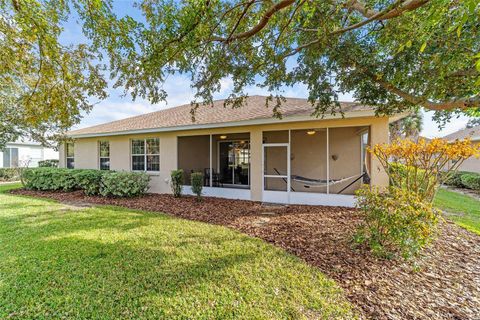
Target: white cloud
(431,130)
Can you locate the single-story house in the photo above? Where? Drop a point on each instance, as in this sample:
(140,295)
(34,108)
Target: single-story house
(244,153)
(25,154)
(472,164)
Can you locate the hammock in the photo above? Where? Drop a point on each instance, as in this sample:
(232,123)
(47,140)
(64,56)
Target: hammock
(319,183)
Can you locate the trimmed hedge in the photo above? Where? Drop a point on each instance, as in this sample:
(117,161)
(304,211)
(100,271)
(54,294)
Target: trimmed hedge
(124,184)
(92,182)
(471,181)
(464,179)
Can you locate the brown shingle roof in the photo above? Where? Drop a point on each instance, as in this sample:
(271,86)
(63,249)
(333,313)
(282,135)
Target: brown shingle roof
(473,133)
(180,116)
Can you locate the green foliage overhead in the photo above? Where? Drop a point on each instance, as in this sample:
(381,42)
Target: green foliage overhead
(394,54)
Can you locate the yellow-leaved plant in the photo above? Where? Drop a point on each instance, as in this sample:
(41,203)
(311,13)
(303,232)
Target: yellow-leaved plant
(401,220)
(422,166)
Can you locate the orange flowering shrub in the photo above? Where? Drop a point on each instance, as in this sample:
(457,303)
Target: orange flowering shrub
(421,166)
(401,220)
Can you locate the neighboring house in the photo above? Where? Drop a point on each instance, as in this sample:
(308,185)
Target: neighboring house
(244,153)
(20,154)
(472,164)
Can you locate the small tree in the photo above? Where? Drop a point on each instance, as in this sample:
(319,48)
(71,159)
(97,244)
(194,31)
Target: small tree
(197,184)
(177,182)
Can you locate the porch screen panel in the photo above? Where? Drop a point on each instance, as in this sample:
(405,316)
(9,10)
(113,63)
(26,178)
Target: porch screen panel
(275,168)
(345,161)
(309,160)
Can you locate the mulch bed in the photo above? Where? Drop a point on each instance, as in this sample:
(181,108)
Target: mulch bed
(443,284)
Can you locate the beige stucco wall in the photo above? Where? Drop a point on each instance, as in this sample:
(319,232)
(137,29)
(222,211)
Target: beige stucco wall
(86,149)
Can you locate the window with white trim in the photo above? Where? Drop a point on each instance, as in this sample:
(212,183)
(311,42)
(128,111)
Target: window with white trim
(69,154)
(146,154)
(104,155)
(10,157)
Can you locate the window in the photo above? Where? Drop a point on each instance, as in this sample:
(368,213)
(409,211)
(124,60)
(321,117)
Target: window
(104,153)
(69,152)
(10,158)
(146,154)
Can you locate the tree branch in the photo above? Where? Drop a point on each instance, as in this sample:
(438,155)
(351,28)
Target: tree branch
(460,103)
(408,5)
(260,25)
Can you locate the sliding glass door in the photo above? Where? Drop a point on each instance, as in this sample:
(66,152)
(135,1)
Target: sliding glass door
(234,162)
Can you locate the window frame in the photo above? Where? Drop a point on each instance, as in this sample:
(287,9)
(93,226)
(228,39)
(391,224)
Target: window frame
(100,157)
(144,154)
(8,152)
(67,157)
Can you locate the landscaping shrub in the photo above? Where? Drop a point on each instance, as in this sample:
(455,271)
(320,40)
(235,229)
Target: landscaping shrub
(197,184)
(454,179)
(8,174)
(397,222)
(176,182)
(124,184)
(401,220)
(51,163)
(471,180)
(49,179)
(90,181)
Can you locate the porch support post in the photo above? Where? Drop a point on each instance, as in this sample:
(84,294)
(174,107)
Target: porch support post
(256,174)
(328,161)
(210,183)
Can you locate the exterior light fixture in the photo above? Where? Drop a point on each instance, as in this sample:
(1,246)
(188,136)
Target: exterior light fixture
(223,137)
(311,132)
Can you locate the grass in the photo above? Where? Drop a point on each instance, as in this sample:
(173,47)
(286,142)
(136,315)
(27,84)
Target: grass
(462,209)
(59,261)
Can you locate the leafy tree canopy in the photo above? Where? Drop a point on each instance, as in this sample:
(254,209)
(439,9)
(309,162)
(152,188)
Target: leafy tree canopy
(394,54)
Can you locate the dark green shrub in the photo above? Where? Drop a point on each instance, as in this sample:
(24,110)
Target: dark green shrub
(51,163)
(50,179)
(176,182)
(197,184)
(454,179)
(89,180)
(471,180)
(124,184)
(397,222)
(8,174)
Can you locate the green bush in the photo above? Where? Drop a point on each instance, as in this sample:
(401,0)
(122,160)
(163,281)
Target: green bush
(397,222)
(89,180)
(455,179)
(471,181)
(49,179)
(176,182)
(51,163)
(197,184)
(124,184)
(92,182)
(8,174)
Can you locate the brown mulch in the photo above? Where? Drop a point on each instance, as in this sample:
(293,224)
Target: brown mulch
(442,284)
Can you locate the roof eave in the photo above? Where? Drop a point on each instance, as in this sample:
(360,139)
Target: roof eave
(352,114)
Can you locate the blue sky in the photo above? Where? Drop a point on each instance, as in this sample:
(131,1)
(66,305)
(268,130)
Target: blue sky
(117,107)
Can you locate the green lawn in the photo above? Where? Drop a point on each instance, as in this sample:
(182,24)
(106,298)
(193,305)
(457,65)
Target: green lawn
(108,263)
(462,209)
